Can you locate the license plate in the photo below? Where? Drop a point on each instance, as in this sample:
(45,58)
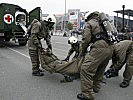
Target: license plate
(1,34)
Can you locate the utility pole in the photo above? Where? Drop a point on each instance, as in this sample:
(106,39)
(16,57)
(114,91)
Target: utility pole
(65,17)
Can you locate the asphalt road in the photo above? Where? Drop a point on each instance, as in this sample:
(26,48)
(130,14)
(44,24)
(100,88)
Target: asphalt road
(17,83)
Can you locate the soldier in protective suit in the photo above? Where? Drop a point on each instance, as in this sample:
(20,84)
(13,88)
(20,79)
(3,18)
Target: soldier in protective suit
(38,30)
(55,65)
(75,45)
(96,60)
(123,53)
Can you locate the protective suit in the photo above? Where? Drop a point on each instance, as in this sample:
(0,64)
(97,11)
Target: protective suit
(38,30)
(55,65)
(74,48)
(123,54)
(95,61)
(75,45)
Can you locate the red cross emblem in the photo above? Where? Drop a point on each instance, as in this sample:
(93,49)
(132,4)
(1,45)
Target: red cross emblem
(8,18)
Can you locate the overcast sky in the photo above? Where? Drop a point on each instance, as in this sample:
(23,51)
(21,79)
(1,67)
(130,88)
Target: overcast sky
(58,6)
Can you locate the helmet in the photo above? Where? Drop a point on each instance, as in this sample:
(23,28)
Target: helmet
(50,18)
(72,40)
(90,14)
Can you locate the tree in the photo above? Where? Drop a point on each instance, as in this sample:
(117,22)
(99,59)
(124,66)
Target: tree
(69,26)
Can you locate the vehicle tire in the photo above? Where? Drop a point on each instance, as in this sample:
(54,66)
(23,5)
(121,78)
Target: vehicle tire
(22,42)
(7,39)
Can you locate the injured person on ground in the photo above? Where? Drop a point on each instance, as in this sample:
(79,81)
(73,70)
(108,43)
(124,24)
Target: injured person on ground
(52,64)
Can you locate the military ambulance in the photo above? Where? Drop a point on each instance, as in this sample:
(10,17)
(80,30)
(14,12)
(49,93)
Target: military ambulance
(14,21)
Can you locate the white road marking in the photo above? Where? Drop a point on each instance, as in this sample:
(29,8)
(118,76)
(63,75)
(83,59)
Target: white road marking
(62,51)
(29,56)
(19,52)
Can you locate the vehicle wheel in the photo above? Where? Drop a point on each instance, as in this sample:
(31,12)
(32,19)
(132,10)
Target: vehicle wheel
(7,39)
(2,41)
(22,42)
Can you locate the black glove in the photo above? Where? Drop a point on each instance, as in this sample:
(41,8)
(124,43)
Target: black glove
(50,47)
(111,73)
(108,71)
(48,51)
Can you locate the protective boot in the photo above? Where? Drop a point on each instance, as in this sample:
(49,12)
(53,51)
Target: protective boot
(124,84)
(70,78)
(37,73)
(83,97)
(67,79)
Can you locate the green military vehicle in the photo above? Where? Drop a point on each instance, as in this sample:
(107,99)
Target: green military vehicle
(14,21)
